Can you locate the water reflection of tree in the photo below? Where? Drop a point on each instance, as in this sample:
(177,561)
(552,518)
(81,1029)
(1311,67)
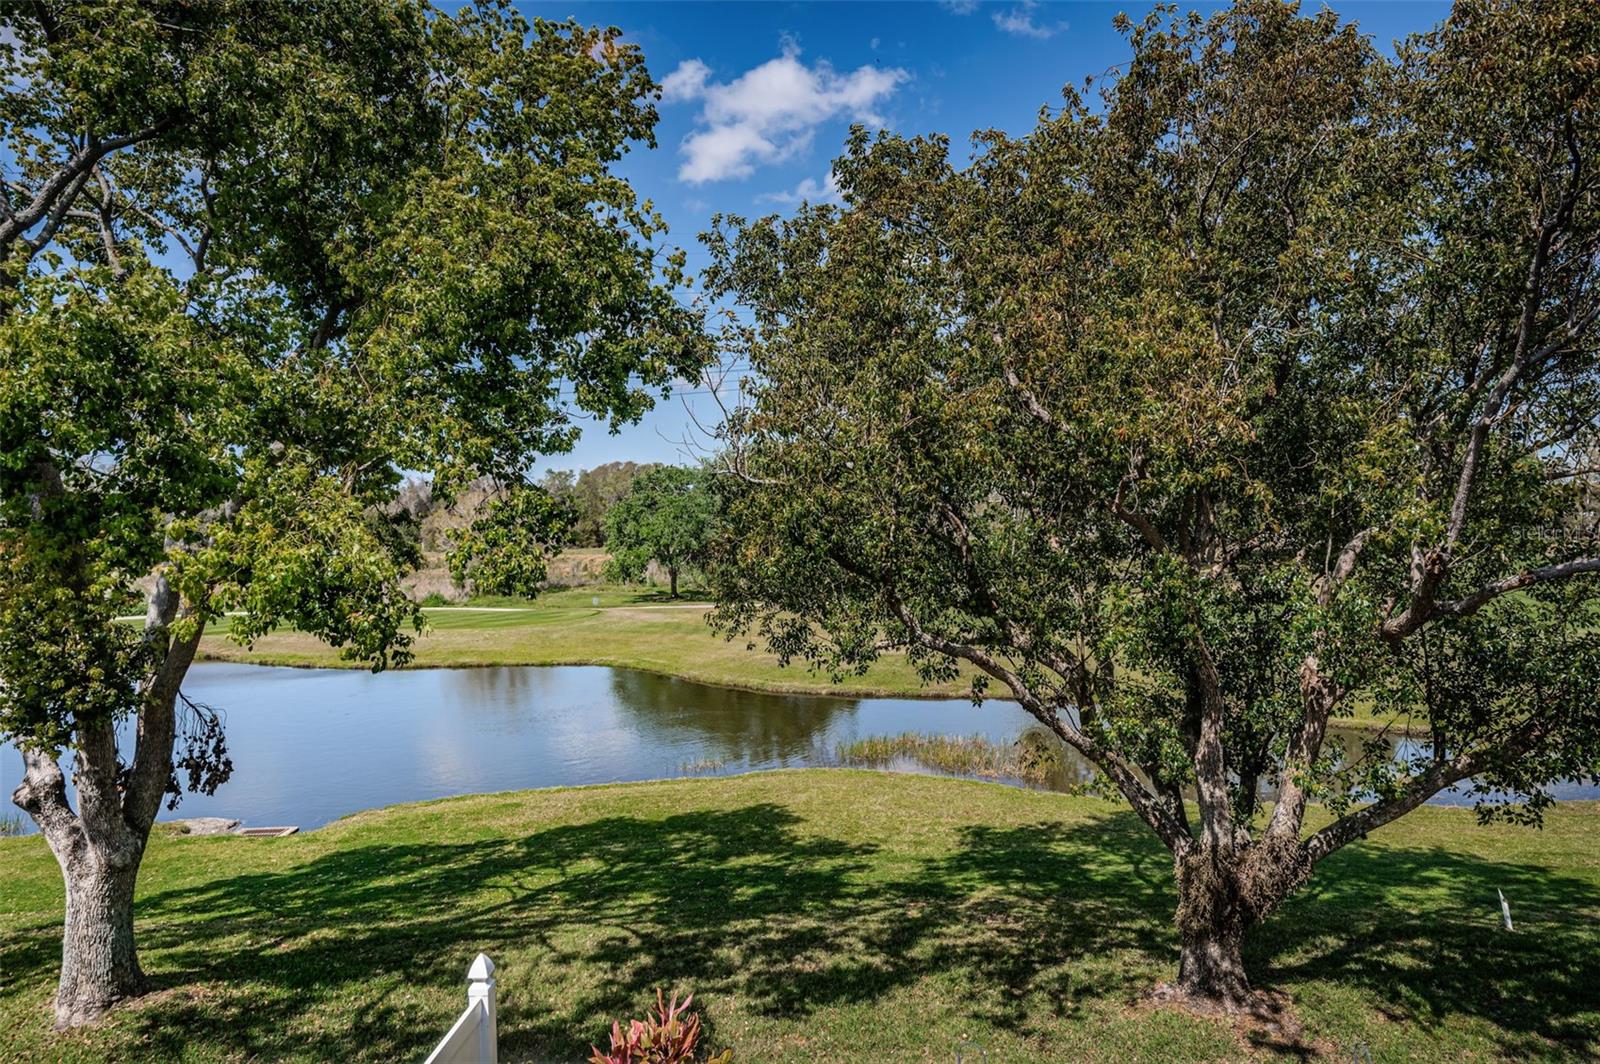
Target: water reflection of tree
(499,685)
(733,725)
(740,727)
(1064,768)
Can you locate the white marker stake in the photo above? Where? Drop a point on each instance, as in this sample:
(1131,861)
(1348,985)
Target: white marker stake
(1505,909)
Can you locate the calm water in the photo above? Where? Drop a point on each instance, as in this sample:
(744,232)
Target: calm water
(312,745)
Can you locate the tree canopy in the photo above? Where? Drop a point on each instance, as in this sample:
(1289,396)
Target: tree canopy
(668,516)
(256,260)
(1260,386)
(592,493)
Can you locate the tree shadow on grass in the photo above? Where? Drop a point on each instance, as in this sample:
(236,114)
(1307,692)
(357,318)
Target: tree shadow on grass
(601,912)
(360,953)
(1419,931)
(747,903)
(1415,930)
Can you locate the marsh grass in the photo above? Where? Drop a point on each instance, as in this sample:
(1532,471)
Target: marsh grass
(1034,758)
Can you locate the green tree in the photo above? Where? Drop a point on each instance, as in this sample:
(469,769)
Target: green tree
(592,493)
(256,259)
(1198,417)
(595,492)
(668,516)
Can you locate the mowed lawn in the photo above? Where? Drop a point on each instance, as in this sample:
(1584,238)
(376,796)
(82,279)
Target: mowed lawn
(631,627)
(818,915)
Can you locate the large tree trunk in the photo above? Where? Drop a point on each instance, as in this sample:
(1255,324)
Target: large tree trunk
(99,963)
(1211,967)
(99,845)
(672,577)
(1222,895)
(1213,916)
(99,855)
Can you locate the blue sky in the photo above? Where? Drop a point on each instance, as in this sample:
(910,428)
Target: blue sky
(759,97)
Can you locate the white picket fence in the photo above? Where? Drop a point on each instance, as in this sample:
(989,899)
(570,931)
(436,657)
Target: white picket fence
(473,1039)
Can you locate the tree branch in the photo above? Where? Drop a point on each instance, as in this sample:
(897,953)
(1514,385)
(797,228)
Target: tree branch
(1371,817)
(1029,400)
(1470,604)
(1443,773)
(42,794)
(1343,566)
(157,723)
(1138,521)
(1152,808)
(1319,694)
(57,192)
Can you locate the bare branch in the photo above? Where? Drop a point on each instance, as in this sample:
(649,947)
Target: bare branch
(1319,694)
(1138,521)
(62,186)
(1470,604)
(1328,585)
(42,794)
(1029,400)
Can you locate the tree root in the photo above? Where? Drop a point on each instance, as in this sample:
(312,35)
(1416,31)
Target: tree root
(1262,1019)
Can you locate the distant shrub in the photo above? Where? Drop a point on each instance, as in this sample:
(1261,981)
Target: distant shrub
(433,599)
(11,824)
(668,1035)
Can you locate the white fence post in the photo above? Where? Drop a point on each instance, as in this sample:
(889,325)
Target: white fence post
(480,991)
(474,1038)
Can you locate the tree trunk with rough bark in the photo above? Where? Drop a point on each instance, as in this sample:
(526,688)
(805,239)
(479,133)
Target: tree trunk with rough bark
(1213,916)
(99,962)
(1211,968)
(99,845)
(99,852)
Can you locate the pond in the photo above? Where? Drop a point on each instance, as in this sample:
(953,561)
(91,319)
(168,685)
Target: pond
(311,745)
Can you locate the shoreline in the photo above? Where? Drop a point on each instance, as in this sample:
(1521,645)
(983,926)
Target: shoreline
(812,689)
(266,659)
(1584,806)
(170,828)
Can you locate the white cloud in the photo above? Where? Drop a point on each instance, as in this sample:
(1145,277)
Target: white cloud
(809,190)
(959,7)
(685,83)
(1019,20)
(769,113)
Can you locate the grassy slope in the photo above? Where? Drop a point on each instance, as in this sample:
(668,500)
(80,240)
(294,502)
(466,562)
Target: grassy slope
(596,626)
(819,916)
(607,626)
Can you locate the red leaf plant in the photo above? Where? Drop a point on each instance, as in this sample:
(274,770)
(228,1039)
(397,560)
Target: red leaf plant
(668,1035)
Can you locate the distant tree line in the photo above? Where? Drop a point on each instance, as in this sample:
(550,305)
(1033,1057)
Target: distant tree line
(591,493)
(643,513)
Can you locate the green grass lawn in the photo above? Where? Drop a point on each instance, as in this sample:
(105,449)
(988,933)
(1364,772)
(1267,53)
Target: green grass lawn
(633,627)
(821,915)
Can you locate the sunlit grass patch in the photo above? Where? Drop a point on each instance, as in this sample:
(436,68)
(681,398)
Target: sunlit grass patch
(819,915)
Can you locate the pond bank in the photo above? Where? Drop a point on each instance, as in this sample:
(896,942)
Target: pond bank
(618,628)
(311,745)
